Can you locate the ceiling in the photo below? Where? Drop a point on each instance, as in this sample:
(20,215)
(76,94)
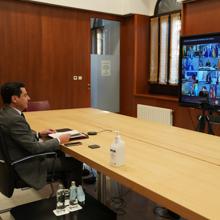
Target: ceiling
(121,7)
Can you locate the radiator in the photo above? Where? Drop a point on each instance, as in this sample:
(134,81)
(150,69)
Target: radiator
(156,114)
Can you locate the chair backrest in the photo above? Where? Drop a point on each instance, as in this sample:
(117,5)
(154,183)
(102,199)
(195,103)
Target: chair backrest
(9,179)
(7,173)
(38,105)
(7,183)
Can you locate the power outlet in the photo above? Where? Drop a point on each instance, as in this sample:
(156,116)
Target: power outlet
(75,78)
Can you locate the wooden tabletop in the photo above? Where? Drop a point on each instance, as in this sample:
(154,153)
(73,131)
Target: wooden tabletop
(174,167)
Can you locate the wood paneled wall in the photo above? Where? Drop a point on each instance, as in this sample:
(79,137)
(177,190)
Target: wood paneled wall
(45,46)
(142,52)
(134,74)
(41,48)
(201,17)
(198,17)
(127,56)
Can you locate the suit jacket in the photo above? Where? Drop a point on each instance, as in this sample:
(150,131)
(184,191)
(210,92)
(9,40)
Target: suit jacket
(21,142)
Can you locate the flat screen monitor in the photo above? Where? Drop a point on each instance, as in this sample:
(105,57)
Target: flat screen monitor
(200,71)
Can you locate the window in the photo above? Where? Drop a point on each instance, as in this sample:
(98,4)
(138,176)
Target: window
(98,37)
(174,48)
(164,41)
(164,44)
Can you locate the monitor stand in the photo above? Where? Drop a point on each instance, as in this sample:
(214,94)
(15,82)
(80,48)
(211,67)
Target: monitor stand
(204,119)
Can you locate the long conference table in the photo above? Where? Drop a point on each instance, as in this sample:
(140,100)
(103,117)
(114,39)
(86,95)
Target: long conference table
(176,168)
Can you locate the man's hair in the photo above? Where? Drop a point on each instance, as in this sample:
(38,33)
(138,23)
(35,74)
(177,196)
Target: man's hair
(9,89)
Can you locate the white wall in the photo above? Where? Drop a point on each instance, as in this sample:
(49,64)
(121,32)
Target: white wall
(120,7)
(144,7)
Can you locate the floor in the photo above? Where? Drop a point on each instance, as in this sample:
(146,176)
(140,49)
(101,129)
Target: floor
(126,203)
(21,197)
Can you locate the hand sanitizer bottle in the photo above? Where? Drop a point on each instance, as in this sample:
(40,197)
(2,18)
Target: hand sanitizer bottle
(117,151)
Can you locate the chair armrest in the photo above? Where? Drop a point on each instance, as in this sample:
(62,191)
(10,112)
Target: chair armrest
(34,156)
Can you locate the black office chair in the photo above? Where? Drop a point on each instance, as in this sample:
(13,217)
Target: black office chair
(8,175)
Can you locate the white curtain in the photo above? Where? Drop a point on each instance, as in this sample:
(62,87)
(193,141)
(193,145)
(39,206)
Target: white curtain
(164,30)
(154,49)
(174,48)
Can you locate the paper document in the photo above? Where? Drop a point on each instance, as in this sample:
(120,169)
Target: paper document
(73,133)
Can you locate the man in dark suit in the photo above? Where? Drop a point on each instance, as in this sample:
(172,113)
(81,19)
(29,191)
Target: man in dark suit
(21,141)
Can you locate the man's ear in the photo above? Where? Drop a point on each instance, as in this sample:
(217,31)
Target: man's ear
(14,99)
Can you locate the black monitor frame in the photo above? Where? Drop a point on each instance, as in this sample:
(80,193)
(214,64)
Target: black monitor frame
(203,51)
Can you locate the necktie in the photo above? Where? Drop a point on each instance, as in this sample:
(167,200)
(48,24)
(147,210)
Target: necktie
(25,120)
(22,115)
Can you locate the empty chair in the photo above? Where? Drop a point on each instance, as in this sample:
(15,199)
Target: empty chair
(38,105)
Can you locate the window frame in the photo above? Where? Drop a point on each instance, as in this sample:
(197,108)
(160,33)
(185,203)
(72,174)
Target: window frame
(154,86)
(97,44)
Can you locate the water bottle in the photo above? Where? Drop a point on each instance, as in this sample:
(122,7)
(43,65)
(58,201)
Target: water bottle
(117,151)
(67,197)
(73,195)
(80,195)
(60,196)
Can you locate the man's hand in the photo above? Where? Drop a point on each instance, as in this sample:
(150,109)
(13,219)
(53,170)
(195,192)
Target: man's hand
(64,138)
(45,133)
